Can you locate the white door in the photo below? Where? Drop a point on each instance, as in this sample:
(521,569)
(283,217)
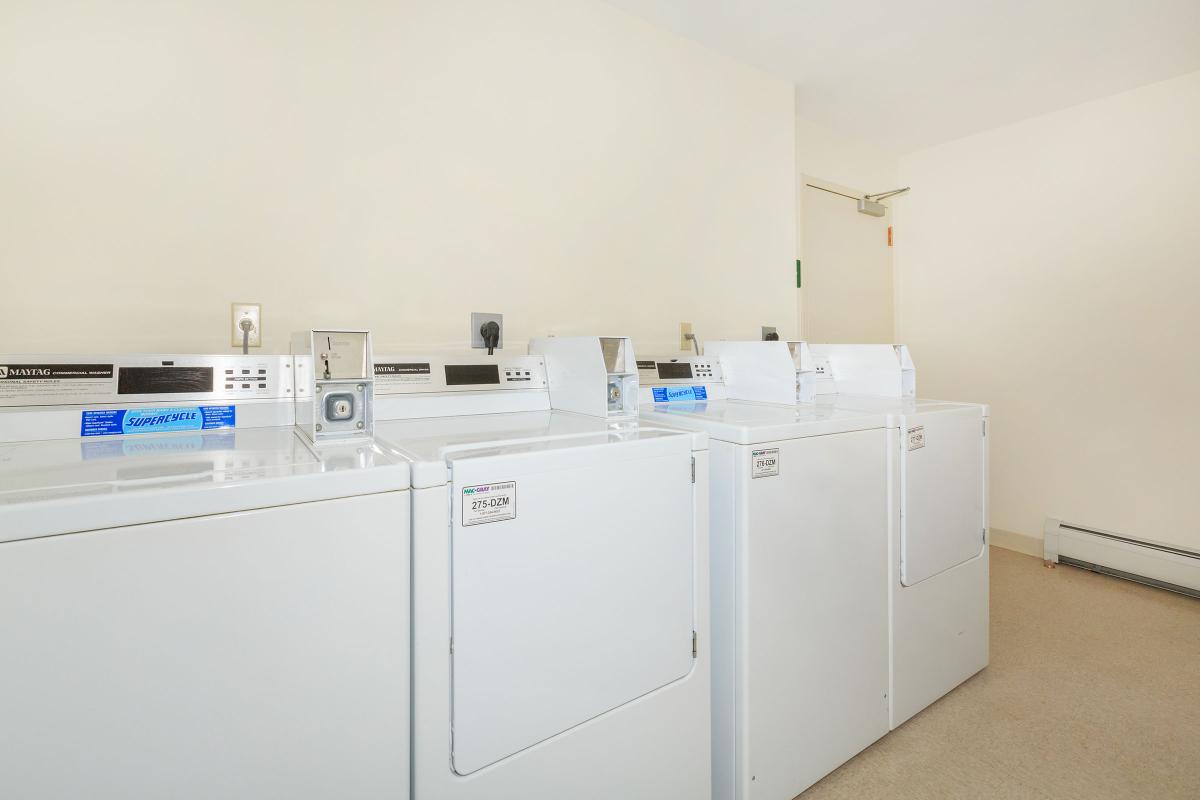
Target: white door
(941,477)
(846,266)
(571,589)
(260,654)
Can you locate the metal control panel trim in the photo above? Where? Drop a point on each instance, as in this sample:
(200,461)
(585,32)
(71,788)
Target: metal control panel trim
(399,375)
(684,371)
(38,380)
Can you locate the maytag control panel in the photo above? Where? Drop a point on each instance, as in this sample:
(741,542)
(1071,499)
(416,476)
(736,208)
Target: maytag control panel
(91,380)
(419,374)
(682,370)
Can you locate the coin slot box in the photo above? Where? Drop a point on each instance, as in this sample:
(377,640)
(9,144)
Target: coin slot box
(335,380)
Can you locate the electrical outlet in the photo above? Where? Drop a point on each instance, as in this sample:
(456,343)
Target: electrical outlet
(252,312)
(770,333)
(685,343)
(478,319)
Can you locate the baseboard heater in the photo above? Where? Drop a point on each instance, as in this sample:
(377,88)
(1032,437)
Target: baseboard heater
(1152,563)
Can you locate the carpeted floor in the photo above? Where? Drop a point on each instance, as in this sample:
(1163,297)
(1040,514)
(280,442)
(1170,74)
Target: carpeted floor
(1093,692)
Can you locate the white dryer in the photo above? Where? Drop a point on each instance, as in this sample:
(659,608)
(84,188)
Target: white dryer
(195,603)
(938,480)
(799,566)
(560,576)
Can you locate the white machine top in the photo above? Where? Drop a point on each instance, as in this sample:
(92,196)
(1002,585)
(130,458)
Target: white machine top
(432,444)
(876,378)
(100,441)
(432,409)
(60,486)
(896,408)
(742,422)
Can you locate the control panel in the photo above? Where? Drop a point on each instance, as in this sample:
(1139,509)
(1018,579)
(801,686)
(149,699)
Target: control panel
(682,379)
(86,396)
(469,373)
(679,371)
(128,379)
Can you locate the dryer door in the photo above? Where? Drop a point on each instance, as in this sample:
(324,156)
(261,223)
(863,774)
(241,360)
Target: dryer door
(572,594)
(942,485)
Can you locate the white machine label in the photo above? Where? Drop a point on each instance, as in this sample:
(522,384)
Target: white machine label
(764,463)
(30,381)
(916,437)
(403,373)
(489,502)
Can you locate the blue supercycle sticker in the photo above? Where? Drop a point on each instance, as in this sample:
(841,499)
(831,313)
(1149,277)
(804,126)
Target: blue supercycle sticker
(675,394)
(109,422)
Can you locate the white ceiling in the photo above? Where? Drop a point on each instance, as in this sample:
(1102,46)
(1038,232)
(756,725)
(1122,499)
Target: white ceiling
(912,73)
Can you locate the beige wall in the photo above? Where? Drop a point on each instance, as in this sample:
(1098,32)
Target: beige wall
(841,158)
(387,164)
(1052,268)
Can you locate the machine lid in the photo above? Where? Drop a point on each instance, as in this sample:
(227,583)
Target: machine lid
(59,486)
(743,422)
(432,445)
(896,406)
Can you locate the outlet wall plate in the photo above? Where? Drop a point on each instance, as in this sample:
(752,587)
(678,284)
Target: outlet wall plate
(478,318)
(240,311)
(684,329)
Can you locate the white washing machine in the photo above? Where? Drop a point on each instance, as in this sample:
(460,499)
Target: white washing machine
(938,480)
(560,577)
(195,603)
(799,576)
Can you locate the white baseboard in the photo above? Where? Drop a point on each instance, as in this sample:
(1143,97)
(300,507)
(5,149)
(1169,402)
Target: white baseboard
(1020,542)
(1155,563)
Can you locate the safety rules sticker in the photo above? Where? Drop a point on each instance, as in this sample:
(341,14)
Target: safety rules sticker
(916,437)
(764,463)
(489,502)
(110,422)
